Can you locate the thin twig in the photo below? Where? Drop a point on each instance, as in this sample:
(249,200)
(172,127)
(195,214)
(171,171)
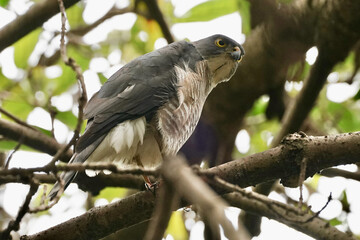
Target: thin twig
(15,119)
(15,224)
(82,30)
(272,203)
(335,172)
(302,176)
(79,167)
(83,96)
(253,195)
(71,62)
(43,206)
(18,145)
(322,209)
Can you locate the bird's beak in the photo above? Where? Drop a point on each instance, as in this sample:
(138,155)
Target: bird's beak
(237,54)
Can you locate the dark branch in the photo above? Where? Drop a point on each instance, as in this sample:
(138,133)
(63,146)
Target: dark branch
(121,214)
(317,228)
(117,215)
(334,172)
(15,224)
(32,19)
(156,14)
(167,201)
(31,138)
(15,119)
(194,190)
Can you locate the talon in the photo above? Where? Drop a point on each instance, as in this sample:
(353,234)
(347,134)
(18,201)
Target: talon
(149,185)
(152,187)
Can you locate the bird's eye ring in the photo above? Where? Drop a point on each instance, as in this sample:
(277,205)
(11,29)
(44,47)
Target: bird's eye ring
(220,43)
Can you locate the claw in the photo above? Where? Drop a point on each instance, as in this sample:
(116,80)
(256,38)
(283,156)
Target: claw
(150,186)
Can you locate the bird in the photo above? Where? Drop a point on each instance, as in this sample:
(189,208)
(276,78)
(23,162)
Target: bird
(148,109)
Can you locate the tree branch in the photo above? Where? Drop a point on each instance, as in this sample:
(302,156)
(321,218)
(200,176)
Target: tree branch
(15,224)
(279,162)
(334,172)
(167,201)
(15,119)
(284,161)
(195,191)
(103,220)
(156,14)
(261,205)
(31,138)
(32,19)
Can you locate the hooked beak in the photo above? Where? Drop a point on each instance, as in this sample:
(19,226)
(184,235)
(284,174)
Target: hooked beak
(237,54)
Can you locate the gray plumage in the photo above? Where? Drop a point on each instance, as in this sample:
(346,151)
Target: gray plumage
(151,106)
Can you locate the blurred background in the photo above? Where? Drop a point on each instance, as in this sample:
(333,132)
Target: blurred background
(283,40)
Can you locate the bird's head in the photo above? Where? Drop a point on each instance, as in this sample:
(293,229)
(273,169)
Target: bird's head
(222,55)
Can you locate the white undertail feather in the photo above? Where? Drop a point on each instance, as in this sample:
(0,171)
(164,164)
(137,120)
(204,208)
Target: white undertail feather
(121,143)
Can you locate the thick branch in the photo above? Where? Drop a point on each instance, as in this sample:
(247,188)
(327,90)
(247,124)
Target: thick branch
(284,161)
(32,19)
(31,138)
(159,17)
(263,206)
(195,191)
(101,221)
(167,201)
(280,162)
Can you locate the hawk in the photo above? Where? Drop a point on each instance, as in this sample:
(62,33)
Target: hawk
(151,106)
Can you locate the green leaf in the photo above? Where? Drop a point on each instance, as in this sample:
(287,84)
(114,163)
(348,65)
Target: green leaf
(209,10)
(217,8)
(345,203)
(102,78)
(259,107)
(8,145)
(44,131)
(5,83)
(67,118)
(244,9)
(357,96)
(335,222)
(18,105)
(24,47)
(74,15)
(77,54)
(110,193)
(66,80)
(347,65)
(4,3)
(347,119)
(176,227)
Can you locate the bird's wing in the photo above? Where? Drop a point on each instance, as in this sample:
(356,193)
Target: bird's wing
(137,89)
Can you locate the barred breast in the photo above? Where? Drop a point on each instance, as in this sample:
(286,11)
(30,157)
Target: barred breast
(178,118)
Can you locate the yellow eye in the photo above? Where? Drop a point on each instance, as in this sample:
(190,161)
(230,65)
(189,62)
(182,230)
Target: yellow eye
(220,43)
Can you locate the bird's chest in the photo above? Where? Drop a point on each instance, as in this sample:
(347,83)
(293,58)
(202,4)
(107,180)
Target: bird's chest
(178,118)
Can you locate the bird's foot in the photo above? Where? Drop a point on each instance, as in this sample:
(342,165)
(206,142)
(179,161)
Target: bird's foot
(152,187)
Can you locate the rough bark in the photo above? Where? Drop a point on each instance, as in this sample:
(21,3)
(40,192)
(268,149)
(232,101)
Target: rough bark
(280,162)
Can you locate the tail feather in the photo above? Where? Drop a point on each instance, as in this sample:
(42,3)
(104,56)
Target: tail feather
(67,177)
(81,157)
